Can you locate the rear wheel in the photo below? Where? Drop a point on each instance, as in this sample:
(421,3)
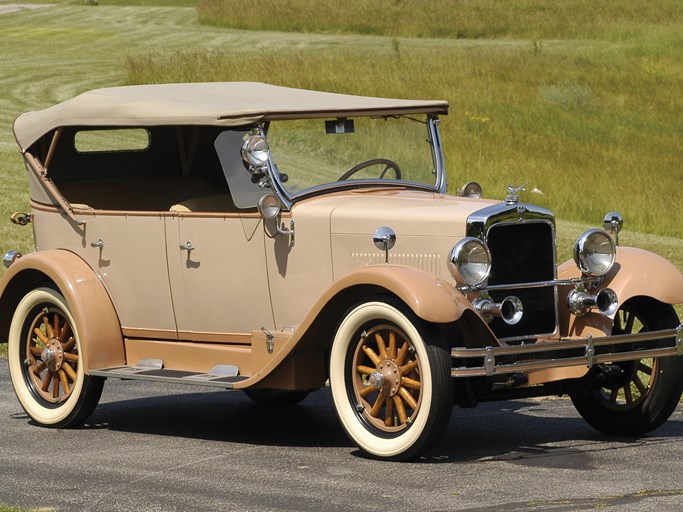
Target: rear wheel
(390,380)
(635,397)
(45,362)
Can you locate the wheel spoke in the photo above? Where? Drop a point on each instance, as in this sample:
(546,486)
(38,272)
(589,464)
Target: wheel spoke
(38,369)
(64,332)
(55,325)
(642,367)
(36,351)
(613,396)
(378,405)
(411,383)
(391,352)
(48,327)
(64,381)
(365,370)
(73,358)
(409,367)
(382,347)
(389,416)
(639,384)
(372,355)
(70,372)
(55,386)
(69,344)
(408,398)
(41,335)
(630,319)
(627,394)
(402,354)
(366,391)
(400,408)
(46,382)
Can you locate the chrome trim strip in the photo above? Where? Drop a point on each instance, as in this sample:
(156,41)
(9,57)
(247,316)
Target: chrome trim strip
(490,367)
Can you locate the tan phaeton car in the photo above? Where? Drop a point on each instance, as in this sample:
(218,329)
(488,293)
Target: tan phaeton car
(272,240)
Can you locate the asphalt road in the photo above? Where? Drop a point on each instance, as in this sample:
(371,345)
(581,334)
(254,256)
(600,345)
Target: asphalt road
(165,448)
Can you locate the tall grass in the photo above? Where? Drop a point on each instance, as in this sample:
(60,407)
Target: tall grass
(589,126)
(463,19)
(593,124)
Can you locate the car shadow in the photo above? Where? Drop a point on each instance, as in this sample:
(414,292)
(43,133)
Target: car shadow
(547,433)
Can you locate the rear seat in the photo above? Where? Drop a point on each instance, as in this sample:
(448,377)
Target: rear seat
(148,194)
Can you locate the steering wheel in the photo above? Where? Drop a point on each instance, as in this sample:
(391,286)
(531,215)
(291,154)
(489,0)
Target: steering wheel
(388,164)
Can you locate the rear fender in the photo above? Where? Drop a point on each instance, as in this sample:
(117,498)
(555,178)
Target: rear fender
(88,301)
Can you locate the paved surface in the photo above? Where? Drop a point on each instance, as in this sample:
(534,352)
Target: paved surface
(7,7)
(160,448)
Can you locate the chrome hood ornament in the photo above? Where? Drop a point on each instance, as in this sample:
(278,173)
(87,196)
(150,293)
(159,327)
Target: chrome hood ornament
(513,194)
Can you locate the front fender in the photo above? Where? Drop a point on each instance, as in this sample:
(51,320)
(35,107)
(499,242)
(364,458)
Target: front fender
(638,272)
(430,298)
(88,301)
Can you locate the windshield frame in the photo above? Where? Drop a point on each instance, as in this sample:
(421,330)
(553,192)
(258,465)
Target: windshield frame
(434,139)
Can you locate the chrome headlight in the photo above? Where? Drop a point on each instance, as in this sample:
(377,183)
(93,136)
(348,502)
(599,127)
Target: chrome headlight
(594,252)
(10,257)
(470,262)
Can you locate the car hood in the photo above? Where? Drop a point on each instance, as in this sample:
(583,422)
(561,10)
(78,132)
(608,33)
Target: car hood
(408,213)
(427,225)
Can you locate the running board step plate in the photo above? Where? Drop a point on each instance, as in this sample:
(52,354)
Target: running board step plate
(220,376)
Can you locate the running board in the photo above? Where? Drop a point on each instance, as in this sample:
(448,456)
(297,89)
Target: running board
(220,376)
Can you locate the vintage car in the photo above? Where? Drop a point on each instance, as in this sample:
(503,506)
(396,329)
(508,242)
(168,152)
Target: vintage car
(275,240)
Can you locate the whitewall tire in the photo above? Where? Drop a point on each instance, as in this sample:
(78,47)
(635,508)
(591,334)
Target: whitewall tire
(390,380)
(44,354)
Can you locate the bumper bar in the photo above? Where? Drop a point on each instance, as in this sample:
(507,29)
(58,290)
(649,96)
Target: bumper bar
(479,362)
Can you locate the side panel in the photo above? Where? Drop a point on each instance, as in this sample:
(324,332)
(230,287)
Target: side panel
(128,251)
(220,285)
(101,340)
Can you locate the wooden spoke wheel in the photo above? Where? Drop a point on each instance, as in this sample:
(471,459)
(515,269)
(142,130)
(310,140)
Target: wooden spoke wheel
(51,355)
(390,380)
(634,397)
(387,378)
(45,362)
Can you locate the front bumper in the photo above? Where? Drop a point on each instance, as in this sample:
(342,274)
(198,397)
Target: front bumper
(488,361)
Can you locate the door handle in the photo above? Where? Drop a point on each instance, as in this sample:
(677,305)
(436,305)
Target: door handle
(187,246)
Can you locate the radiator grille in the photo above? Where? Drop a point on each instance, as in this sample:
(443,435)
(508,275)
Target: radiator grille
(523,253)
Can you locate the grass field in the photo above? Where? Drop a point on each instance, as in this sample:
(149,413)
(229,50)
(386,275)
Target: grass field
(583,106)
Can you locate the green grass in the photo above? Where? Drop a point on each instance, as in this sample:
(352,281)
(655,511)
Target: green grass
(578,100)
(587,113)
(465,19)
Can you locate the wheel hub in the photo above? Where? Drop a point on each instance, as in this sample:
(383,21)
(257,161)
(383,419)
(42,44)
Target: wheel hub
(53,355)
(390,381)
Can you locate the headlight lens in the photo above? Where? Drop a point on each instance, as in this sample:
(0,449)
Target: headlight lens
(594,252)
(470,262)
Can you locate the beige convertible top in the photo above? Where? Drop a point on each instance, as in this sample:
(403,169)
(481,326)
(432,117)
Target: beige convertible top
(216,103)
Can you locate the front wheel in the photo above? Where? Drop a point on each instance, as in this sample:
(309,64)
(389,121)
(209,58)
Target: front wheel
(390,380)
(45,362)
(635,397)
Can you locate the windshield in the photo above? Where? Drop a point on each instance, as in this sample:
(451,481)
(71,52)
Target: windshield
(313,153)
